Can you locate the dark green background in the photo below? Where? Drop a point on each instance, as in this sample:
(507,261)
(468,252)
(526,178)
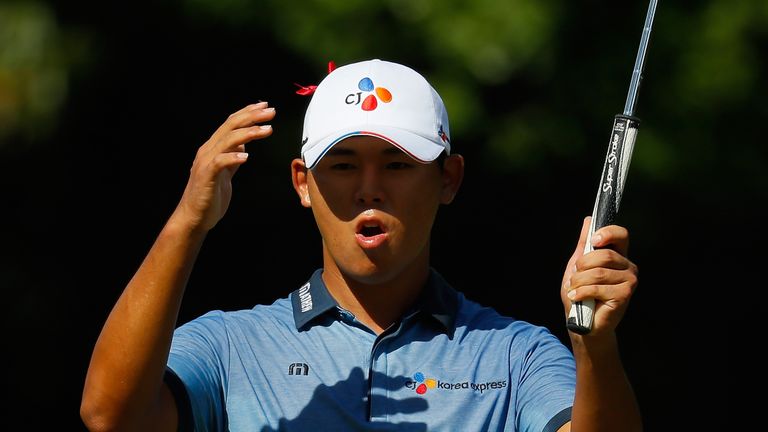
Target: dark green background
(103,105)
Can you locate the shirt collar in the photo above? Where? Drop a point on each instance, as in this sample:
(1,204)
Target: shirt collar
(438,300)
(311,300)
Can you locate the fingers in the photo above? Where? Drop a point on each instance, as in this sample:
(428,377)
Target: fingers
(612,236)
(248,116)
(583,236)
(579,251)
(610,245)
(240,128)
(226,147)
(228,160)
(237,138)
(604,274)
(602,266)
(603,258)
(209,187)
(606,294)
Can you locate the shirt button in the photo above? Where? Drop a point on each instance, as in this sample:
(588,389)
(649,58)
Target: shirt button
(346,315)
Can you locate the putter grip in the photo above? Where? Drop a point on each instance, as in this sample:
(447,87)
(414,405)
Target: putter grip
(617,159)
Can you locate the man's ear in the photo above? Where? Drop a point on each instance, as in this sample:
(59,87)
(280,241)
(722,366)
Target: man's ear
(453,174)
(299,175)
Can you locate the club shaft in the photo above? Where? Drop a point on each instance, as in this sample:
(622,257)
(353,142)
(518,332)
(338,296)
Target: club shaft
(581,316)
(637,71)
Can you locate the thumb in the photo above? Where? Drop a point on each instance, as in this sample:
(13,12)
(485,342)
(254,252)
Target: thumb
(579,251)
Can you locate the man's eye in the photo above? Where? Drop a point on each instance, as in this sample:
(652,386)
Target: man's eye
(398,165)
(342,166)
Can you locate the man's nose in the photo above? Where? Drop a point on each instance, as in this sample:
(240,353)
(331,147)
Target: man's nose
(369,189)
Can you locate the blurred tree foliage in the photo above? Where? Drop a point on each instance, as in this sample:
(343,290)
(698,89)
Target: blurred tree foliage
(103,103)
(36,56)
(524,80)
(534,79)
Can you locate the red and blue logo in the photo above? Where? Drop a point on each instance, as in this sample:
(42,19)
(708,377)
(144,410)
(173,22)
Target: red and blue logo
(443,135)
(421,383)
(374,94)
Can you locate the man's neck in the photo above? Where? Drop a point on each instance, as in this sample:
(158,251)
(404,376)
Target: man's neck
(377,305)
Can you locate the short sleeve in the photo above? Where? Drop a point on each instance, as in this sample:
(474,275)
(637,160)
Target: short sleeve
(199,358)
(547,383)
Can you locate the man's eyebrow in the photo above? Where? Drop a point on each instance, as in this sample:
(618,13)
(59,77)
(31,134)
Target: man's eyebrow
(392,150)
(340,151)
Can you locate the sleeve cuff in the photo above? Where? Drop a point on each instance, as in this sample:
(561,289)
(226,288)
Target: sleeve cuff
(183,406)
(558,420)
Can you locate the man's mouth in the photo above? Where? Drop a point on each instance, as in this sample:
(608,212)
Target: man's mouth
(370,234)
(370,230)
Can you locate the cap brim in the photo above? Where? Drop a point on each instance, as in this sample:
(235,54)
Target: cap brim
(421,149)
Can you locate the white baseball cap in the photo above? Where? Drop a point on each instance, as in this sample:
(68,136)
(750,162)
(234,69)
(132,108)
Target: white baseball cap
(376,98)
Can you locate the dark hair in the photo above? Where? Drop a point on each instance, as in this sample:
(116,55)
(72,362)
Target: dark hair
(440,159)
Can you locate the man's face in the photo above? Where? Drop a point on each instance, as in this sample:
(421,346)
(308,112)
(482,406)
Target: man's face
(374,206)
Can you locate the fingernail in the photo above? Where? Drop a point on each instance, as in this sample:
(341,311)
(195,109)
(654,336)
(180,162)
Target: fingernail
(242,155)
(265,127)
(596,239)
(572,294)
(269,109)
(568,283)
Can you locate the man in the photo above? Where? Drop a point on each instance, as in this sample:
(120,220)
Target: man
(376,339)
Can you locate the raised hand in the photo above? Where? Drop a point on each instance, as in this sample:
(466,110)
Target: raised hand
(209,188)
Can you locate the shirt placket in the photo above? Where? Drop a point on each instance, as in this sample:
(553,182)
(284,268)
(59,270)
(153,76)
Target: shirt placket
(378,374)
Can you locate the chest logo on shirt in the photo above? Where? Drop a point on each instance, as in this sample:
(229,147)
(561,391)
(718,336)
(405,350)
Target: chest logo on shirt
(298,369)
(420,383)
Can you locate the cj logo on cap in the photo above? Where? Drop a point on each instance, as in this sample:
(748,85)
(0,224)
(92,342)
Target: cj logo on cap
(370,102)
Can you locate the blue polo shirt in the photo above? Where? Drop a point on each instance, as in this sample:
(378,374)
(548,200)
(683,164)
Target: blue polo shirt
(305,364)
